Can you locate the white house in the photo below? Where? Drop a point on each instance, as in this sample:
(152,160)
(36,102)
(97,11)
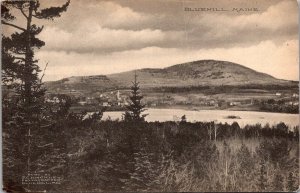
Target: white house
(82,102)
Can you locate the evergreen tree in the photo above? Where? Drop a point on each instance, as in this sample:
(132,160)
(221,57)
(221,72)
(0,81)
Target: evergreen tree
(291,185)
(183,119)
(218,186)
(245,160)
(145,172)
(139,178)
(135,108)
(20,76)
(20,68)
(277,183)
(262,181)
(245,168)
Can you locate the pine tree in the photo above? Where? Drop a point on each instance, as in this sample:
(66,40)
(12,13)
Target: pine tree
(148,163)
(262,181)
(245,160)
(183,119)
(20,75)
(142,173)
(19,49)
(135,108)
(277,183)
(139,177)
(245,168)
(218,186)
(291,185)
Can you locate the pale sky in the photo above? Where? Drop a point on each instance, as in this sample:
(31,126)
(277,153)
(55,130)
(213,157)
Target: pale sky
(102,37)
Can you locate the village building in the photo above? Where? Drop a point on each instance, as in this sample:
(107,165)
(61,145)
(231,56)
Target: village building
(82,103)
(295,95)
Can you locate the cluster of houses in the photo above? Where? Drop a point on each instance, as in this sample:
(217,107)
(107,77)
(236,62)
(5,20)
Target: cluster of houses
(289,99)
(55,100)
(292,99)
(294,95)
(116,99)
(109,99)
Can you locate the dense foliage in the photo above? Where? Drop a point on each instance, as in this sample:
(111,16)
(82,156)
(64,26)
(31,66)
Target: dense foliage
(130,155)
(168,156)
(278,106)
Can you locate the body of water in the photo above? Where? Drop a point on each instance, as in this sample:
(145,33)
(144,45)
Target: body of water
(219,116)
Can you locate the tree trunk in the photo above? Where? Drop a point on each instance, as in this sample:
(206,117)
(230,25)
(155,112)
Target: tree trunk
(215,127)
(28,59)
(210,131)
(226,174)
(27,80)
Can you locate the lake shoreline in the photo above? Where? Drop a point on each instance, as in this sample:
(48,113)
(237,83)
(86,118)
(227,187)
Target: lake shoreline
(179,107)
(220,116)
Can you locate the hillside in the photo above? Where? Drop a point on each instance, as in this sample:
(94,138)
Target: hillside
(82,84)
(197,73)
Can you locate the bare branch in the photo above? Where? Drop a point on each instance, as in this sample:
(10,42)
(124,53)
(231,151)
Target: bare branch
(44,72)
(37,16)
(22,11)
(18,52)
(15,26)
(19,58)
(20,7)
(48,144)
(43,126)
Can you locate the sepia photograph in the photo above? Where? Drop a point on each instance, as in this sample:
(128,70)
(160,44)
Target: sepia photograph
(150,96)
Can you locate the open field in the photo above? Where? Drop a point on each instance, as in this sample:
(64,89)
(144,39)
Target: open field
(214,98)
(232,98)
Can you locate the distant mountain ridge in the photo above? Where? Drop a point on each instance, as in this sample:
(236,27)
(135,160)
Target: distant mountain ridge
(196,73)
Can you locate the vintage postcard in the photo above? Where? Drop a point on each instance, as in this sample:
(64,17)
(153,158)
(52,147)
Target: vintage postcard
(150,96)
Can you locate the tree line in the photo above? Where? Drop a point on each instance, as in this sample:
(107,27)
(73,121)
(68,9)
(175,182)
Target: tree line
(128,155)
